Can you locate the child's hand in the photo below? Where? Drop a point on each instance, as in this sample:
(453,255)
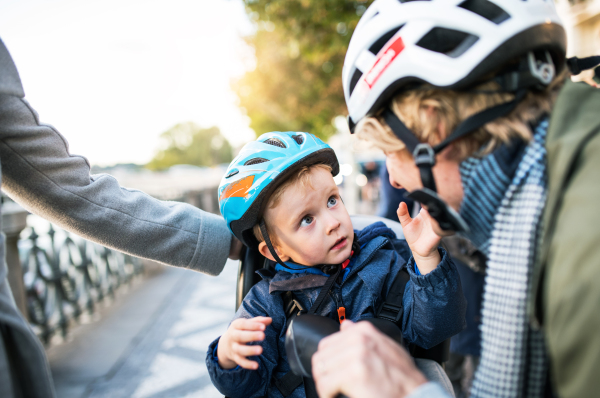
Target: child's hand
(233,350)
(421,239)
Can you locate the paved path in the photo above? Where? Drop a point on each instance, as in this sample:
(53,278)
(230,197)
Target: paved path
(152,343)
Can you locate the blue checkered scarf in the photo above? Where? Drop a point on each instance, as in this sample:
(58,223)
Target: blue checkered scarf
(504,196)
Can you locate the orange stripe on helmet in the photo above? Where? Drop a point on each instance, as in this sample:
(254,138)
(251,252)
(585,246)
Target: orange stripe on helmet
(238,189)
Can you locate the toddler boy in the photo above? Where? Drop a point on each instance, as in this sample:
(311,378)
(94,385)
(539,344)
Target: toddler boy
(288,195)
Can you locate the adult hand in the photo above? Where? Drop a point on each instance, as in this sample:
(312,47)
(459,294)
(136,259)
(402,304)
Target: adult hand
(361,362)
(235,250)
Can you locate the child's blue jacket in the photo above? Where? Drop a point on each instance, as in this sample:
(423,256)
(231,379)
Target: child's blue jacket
(434,308)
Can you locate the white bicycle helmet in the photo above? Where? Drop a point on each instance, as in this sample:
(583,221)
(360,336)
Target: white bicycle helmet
(448,44)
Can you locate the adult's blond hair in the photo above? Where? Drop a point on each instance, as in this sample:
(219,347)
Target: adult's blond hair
(426,111)
(300,177)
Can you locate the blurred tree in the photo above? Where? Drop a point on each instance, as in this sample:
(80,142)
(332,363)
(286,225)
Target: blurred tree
(299,48)
(188,143)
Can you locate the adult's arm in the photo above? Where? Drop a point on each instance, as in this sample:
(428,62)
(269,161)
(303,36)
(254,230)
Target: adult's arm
(571,293)
(361,362)
(39,173)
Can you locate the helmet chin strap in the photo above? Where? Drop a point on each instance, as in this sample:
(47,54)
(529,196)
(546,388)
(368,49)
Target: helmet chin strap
(265,234)
(424,155)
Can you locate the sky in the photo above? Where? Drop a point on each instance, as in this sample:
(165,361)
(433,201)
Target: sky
(112,75)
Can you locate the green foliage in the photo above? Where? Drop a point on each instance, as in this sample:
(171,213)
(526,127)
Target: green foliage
(188,143)
(299,47)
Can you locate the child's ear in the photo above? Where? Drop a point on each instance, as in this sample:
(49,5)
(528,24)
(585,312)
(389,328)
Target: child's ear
(264,250)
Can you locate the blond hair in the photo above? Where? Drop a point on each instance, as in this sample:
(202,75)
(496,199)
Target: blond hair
(433,113)
(300,177)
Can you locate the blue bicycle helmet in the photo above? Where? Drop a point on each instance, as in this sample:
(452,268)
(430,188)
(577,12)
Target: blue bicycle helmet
(260,167)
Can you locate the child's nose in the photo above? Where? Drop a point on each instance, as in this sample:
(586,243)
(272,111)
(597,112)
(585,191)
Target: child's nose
(332,224)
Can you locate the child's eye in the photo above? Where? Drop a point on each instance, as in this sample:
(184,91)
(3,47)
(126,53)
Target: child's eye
(306,221)
(332,201)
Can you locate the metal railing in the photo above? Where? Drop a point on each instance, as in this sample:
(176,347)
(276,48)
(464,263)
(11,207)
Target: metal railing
(68,277)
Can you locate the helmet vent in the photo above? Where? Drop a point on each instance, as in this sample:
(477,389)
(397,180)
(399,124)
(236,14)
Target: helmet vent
(406,1)
(234,172)
(451,42)
(378,45)
(255,161)
(298,138)
(275,142)
(486,9)
(355,78)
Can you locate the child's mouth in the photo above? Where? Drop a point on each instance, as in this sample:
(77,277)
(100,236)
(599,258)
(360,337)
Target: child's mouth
(339,244)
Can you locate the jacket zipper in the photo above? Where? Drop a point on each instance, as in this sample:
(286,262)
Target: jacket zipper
(336,294)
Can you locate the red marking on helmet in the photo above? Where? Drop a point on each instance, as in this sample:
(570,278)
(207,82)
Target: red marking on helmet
(383,61)
(237,189)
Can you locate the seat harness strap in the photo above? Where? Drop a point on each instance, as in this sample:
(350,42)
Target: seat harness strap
(336,269)
(292,308)
(288,383)
(392,308)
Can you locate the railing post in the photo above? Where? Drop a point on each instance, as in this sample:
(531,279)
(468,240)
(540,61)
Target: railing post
(14,220)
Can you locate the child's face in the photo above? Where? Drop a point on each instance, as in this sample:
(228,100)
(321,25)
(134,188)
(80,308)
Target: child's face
(312,226)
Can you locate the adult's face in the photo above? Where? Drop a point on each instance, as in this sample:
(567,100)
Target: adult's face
(405,174)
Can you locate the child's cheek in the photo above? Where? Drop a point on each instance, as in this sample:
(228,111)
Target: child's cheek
(313,253)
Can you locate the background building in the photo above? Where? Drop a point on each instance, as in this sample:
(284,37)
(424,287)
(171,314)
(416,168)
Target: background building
(582,22)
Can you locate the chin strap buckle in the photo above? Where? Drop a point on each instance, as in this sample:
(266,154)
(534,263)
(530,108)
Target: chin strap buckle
(330,269)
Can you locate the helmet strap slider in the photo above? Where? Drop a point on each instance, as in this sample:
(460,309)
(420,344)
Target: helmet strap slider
(424,156)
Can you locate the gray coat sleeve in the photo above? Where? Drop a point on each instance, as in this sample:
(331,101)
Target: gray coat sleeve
(40,174)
